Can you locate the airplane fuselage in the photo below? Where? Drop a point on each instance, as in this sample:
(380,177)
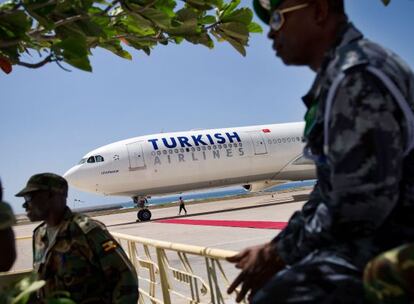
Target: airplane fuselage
(181,161)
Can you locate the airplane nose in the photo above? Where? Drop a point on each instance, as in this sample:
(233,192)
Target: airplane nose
(72,176)
(78,178)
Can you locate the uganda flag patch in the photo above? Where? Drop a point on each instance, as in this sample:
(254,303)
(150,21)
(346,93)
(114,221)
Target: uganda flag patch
(108,246)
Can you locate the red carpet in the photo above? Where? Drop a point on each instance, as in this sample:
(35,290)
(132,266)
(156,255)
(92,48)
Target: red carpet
(223,223)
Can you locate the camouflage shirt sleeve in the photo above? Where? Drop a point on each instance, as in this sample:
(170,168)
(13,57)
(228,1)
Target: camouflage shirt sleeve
(7,218)
(117,268)
(365,164)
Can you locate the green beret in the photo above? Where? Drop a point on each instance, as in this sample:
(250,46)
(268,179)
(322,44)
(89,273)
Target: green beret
(45,181)
(263,8)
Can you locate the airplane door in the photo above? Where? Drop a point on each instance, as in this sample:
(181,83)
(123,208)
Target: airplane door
(259,143)
(136,156)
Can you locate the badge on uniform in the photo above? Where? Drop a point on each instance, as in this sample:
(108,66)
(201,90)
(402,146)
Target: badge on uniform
(109,245)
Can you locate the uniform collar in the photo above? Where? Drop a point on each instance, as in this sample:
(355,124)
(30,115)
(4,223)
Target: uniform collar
(348,34)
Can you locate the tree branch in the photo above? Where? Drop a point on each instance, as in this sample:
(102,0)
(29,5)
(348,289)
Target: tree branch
(212,25)
(37,65)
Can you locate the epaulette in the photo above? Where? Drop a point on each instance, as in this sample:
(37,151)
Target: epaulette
(351,56)
(86,224)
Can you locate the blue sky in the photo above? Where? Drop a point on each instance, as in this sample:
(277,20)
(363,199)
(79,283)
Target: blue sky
(50,118)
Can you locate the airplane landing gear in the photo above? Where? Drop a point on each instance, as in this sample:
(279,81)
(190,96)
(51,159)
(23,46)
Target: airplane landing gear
(144,214)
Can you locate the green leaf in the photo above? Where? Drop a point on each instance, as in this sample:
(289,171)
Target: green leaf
(234,43)
(208,20)
(236,30)
(116,48)
(42,15)
(160,18)
(217,3)
(229,8)
(28,288)
(243,15)
(75,52)
(199,5)
(178,39)
(81,63)
(17,24)
(187,23)
(202,38)
(136,24)
(254,28)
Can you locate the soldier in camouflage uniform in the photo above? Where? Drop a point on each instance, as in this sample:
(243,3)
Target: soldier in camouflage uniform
(389,278)
(7,220)
(360,133)
(73,252)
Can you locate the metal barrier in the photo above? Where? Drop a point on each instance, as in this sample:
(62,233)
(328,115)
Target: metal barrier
(178,273)
(171,272)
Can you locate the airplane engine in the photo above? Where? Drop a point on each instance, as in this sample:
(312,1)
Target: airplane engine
(263,185)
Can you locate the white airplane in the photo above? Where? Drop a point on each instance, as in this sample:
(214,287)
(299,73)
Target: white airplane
(256,157)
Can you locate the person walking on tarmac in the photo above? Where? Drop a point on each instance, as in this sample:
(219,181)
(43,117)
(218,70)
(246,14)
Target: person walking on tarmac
(360,132)
(73,252)
(182,206)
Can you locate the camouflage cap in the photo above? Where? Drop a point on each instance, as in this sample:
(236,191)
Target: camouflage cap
(45,181)
(263,8)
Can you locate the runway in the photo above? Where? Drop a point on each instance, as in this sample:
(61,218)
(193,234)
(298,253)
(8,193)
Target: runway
(211,230)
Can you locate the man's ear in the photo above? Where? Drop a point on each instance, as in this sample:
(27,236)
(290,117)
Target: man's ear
(321,11)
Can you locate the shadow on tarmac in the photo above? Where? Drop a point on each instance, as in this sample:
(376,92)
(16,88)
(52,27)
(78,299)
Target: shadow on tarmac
(273,202)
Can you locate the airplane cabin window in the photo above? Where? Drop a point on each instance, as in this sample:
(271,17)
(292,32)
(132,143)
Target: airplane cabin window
(99,158)
(91,159)
(82,161)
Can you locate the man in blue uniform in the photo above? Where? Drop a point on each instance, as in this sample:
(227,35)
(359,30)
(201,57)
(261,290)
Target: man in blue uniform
(360,133)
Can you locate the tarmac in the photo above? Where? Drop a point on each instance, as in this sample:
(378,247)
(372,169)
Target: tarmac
(275,207)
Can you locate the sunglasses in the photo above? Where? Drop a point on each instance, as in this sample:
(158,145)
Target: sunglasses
(277,18)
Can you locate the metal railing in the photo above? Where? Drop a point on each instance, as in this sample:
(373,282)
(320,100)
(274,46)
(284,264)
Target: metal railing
(178,273)
(172,272)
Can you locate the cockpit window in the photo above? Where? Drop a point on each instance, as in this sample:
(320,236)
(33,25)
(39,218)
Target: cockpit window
(82,161)
(99,158)
(91,159)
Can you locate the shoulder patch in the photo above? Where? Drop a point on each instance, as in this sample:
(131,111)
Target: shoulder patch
(109,245)
(86,224)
